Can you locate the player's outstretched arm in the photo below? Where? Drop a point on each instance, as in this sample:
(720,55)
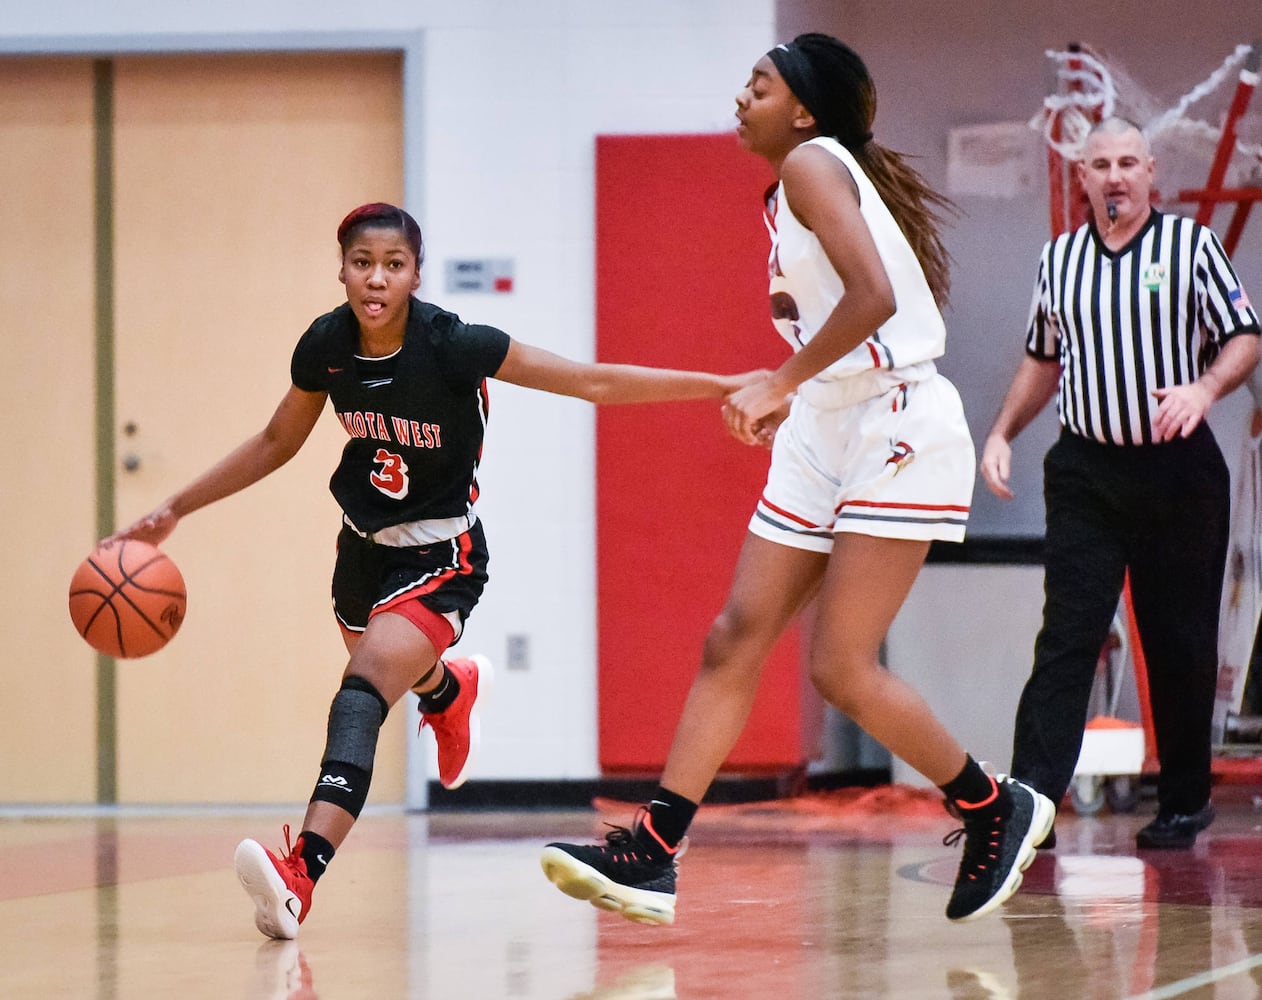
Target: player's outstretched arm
(535,368)
(263,453)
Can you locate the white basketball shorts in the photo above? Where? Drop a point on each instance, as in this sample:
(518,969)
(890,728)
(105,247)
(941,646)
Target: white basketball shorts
(896,465)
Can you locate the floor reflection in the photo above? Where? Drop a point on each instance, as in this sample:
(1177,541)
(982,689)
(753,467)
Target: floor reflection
(282,973)
(771,905)
(654,981)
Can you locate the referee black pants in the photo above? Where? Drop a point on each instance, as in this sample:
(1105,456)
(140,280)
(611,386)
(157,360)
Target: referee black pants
(1160,511)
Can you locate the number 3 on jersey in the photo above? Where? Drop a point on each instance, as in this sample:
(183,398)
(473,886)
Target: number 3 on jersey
(392,477)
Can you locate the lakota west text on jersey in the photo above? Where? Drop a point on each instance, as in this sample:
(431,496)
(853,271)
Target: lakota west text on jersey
(397,430)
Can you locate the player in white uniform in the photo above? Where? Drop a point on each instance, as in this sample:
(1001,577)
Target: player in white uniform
(854,455)
(871,461)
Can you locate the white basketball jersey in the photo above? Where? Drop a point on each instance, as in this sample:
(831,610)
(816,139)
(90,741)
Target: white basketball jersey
(805,289)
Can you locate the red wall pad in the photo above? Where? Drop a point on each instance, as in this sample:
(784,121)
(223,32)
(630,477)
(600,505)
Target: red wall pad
(681,282)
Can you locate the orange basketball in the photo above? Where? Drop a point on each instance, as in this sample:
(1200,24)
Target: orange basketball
(127,599)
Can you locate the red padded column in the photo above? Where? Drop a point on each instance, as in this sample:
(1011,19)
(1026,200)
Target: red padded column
(681,281)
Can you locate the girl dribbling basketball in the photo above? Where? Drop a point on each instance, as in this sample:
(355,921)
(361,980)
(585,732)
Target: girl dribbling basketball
(408,382)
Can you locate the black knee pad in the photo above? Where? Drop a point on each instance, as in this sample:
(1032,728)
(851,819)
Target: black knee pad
(344,785)
(356,683)
(355,719)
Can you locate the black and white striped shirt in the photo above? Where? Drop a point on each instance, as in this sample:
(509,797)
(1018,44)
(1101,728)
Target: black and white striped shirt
(1124,323)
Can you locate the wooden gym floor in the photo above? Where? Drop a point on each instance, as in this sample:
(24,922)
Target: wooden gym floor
(774,903)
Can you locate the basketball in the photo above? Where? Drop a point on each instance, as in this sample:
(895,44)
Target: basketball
(127,599)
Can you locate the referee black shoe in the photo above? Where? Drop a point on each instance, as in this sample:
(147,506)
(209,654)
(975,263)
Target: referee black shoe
(1175,831)
(999,845)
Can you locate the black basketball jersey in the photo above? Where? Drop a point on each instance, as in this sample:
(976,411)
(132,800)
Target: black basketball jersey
(415,435)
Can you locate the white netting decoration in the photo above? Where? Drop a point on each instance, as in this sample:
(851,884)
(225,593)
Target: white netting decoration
(1090,86)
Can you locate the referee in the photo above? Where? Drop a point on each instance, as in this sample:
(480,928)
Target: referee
(1138,326)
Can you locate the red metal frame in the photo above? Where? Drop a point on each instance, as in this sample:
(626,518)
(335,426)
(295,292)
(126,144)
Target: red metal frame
(1066,200)
(1214,193)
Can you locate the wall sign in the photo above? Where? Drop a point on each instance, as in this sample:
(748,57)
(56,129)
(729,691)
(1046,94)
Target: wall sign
(484,274)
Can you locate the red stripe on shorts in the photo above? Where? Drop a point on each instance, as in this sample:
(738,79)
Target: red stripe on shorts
(784,513)
(901,506)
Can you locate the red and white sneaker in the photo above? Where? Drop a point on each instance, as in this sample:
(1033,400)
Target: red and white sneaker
(280,887)
(458,729)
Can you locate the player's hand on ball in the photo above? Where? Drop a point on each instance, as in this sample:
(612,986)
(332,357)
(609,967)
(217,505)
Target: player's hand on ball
(153,528)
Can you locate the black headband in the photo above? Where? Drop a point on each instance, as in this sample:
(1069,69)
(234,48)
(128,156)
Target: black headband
(795,67)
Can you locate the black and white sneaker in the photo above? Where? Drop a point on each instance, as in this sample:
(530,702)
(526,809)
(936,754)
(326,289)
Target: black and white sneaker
(999,844)
(618,875)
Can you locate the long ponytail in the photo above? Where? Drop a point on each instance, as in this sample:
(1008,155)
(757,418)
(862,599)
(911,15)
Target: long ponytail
(919,210)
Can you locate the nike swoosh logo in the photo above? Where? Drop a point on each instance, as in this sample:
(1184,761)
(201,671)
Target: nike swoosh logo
(334,371)
(320,858)
(289,905)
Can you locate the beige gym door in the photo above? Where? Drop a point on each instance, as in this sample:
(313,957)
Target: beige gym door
(47,505)
(230,175)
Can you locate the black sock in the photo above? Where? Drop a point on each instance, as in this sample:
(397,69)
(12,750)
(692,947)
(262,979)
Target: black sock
(971,788)
(427,675)
(668,819)
(441,697)
(317,853)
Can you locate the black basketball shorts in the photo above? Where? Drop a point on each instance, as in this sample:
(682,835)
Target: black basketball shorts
(446,577)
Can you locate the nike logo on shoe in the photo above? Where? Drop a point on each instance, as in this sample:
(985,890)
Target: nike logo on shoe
(648,825)
(994,794)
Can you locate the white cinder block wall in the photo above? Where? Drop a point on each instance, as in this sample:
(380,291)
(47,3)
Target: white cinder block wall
(512,112)
(504,100)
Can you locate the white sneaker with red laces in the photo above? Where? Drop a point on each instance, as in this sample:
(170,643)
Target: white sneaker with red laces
(458,729)
(280,886)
